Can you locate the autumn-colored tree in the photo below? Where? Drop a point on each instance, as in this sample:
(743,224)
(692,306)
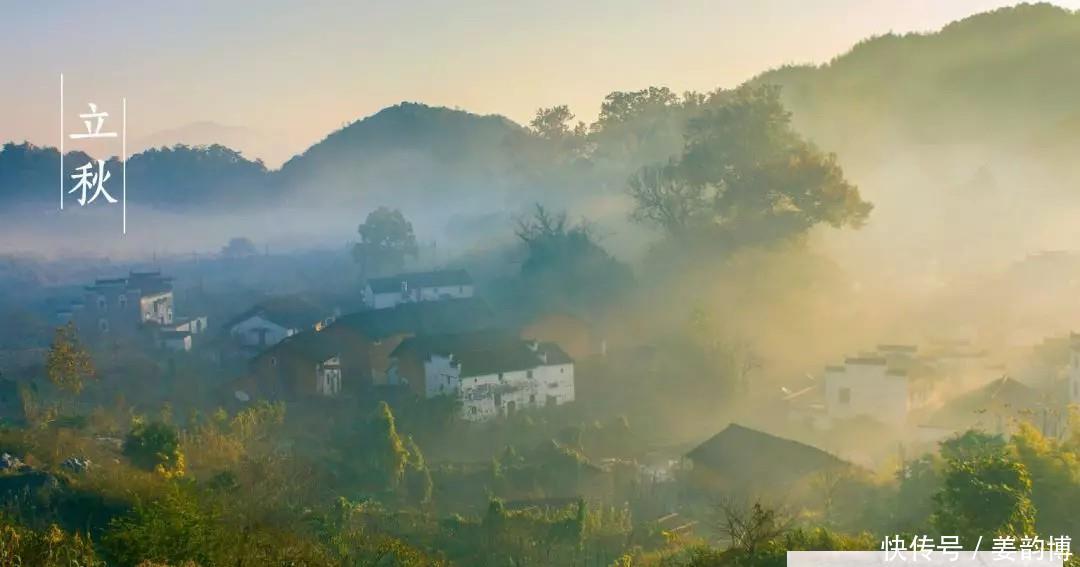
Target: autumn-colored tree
(68,365)
(155,446)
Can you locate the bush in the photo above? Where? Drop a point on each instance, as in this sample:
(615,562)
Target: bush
(155,446)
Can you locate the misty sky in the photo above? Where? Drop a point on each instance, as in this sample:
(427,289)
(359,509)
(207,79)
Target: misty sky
(288,73)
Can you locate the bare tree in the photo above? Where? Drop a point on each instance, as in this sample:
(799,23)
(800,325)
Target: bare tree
(749,528)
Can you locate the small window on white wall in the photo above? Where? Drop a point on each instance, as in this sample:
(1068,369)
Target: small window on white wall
(122,301)
(103,324)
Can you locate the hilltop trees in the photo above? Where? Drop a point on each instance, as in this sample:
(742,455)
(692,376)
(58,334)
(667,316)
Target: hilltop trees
(386,239)
(553,123)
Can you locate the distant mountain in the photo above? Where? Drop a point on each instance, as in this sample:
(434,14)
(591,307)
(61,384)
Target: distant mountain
(964,138)
(405,153)
(1009,76)
(413,151)
(169,178)
(940,130)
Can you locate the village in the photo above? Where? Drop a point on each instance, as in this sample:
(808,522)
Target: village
(430,335)
(635,284)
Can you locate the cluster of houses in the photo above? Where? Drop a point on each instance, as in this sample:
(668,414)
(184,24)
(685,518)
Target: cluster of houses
(426,332)
(923,394)
(927,394)
(137,307)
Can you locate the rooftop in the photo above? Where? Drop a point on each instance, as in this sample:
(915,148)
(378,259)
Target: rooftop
(421,318)
(484,352)
(145,283)
(290,311)
(311,346)
(746,454)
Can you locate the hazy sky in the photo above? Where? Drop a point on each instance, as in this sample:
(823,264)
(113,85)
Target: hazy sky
(294,71)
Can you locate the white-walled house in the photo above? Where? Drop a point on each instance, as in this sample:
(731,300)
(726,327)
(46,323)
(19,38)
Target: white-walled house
(492,374)
(383,293)
(867,387)
(272,321)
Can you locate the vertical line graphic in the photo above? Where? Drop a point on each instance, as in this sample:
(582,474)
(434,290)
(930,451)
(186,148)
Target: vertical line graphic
(61,141)
(123,162)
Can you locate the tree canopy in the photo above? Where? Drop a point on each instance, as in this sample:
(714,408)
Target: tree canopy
(745,177)
(564,266)
(386,239)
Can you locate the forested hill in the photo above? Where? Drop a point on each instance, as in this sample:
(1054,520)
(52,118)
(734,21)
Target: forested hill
(406,149)
(415,151)
(1002,81)
(1011,76)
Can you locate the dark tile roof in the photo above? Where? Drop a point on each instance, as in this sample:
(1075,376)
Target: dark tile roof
(748,455)
(484,352)
(145,283)
(423,346)
(420,318)
(440,278)
(555,353)
(290,311)
(1005,393)
(311,346)
(499,358)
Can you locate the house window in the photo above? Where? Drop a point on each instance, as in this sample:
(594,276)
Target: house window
(529,374)
(500,376)
(122,301)
(101,303)
(103,324)
(273,362)
(844,395)
(532,399)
